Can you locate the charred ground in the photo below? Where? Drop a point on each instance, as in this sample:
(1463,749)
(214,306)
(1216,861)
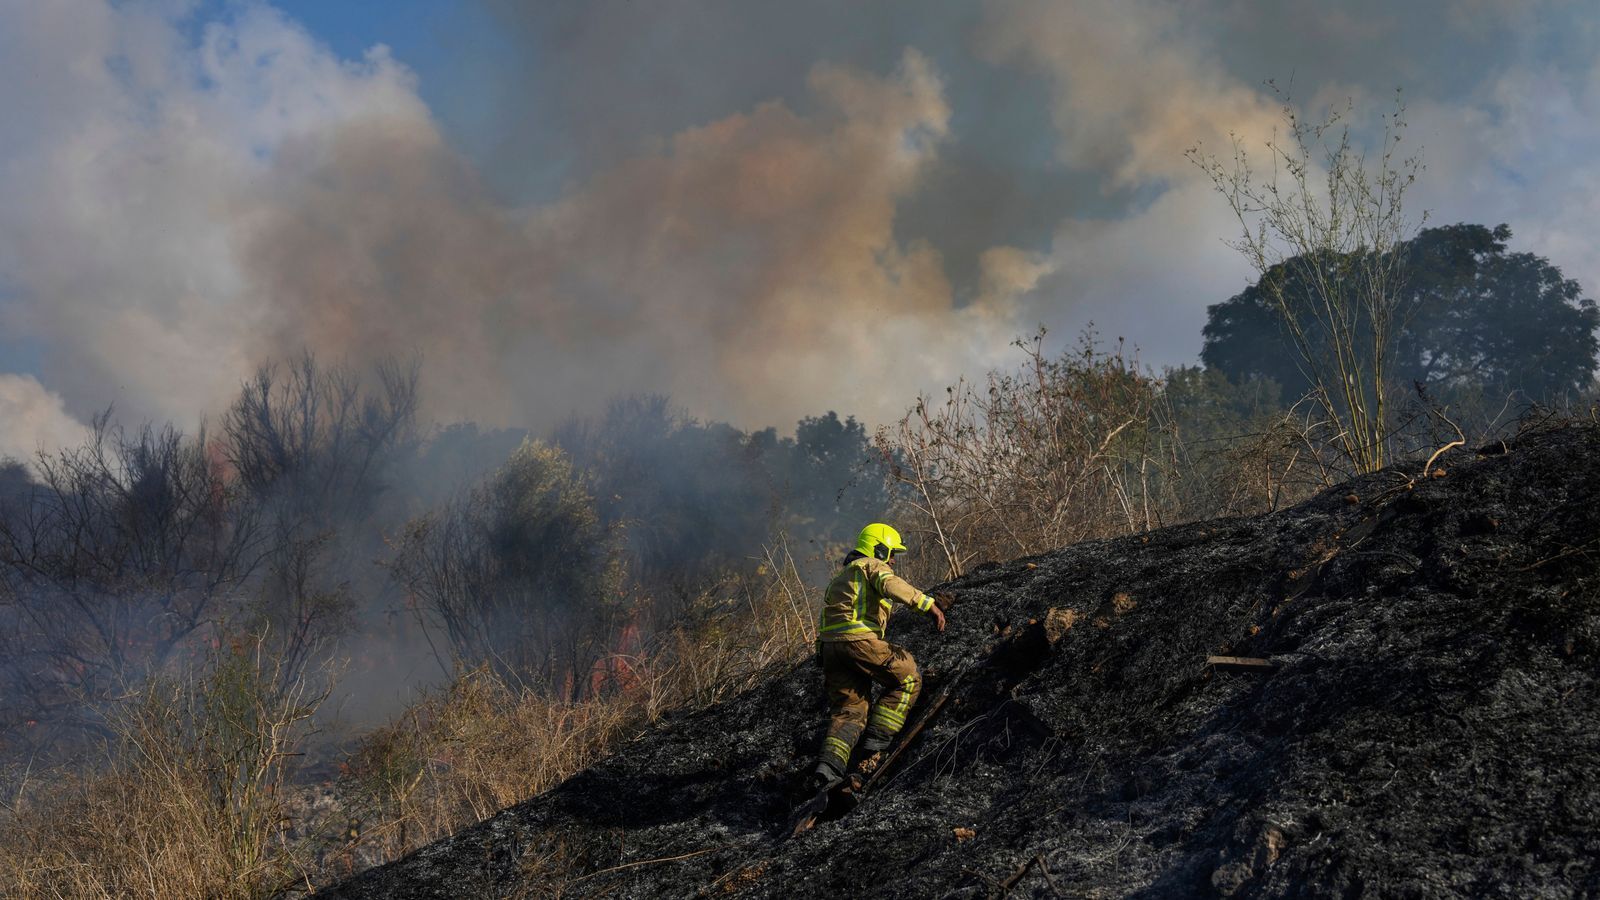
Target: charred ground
(1431,728)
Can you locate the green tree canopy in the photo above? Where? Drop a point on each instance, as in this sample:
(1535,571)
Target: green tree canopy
(1474,317)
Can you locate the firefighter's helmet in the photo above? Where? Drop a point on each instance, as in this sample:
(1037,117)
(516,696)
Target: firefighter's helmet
(879,541)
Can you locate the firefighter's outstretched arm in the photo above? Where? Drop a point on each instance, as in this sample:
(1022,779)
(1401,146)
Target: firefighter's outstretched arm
(895,587)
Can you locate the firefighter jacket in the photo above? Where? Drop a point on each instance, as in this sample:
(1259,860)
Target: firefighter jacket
(857,604)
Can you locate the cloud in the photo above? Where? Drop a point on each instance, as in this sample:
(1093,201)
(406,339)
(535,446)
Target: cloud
(1520,150)
(33,419)
(128,162)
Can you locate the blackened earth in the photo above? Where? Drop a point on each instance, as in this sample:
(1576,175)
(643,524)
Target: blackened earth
(1431,728)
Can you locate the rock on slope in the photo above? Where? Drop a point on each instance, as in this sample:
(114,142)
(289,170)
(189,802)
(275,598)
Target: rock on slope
(1432,727)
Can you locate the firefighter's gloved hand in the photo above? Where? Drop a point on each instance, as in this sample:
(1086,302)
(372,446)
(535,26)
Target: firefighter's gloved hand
(938,617)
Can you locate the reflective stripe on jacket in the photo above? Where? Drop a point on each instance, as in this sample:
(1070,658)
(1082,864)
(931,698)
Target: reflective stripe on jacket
(857,607)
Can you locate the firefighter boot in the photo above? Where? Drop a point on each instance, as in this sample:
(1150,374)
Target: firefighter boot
(825,777)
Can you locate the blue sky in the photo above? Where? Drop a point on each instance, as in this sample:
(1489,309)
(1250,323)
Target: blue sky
(454,46)
(411,27)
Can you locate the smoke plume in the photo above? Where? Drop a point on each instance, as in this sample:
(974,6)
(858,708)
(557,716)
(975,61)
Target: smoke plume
(34,418)
(750,264)
(765,210)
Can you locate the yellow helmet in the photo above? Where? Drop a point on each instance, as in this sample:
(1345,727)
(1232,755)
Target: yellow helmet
(879,541)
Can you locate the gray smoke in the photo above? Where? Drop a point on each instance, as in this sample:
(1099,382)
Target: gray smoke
(764,209)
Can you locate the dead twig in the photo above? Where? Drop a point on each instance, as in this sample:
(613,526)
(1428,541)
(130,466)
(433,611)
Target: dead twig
(1045,871)
(1428,466)
(1012,880)
(1581,549)
(650,862)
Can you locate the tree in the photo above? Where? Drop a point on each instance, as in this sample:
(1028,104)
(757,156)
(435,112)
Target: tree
(831,478)
(1323,233)
(1476,320)
(519,572)
(1487,320)
(123,554)
(313,448)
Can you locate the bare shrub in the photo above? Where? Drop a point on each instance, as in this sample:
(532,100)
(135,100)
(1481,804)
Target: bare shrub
(187,800)
(1061,450)
(1230,449)
(127,549)
(486,741)
(321,430)
(311,448)
(1082,446)
(518,574)
(1327,234)
(131,547)
(1267,470)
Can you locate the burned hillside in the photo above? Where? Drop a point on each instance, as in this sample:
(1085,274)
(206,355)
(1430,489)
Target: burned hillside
(1428,723)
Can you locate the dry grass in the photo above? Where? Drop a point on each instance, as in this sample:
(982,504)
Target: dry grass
(188,798)
(484,743)
(1058,451)
(1082,446)
(187,803)
(472,749)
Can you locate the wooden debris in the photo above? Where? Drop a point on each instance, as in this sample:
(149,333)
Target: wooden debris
(1045,871)
(964,834)
(1360,531)
(1005,887)
(1241,663)
(1011,881)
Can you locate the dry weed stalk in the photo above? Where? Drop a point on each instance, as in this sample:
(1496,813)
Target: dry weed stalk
(1325,233)
(188,802)
(1059,451)
(485,742)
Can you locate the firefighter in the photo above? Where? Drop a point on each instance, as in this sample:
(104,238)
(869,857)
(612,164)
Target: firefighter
(854,655)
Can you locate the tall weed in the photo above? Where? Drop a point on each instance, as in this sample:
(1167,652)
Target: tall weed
(188,800)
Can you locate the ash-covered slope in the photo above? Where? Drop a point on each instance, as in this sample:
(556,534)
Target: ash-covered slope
(1432,727)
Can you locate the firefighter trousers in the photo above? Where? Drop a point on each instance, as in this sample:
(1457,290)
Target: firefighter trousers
(849,671)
